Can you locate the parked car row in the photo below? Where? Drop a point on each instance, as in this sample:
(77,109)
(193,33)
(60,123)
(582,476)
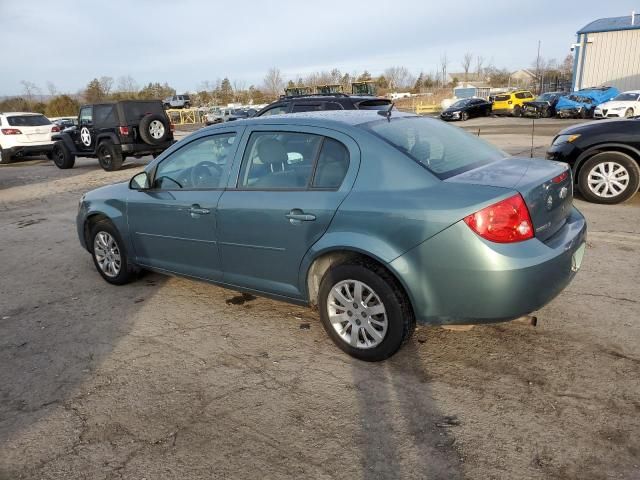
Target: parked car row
(602,102)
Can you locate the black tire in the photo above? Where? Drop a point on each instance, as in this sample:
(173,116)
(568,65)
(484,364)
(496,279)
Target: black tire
(109,156)
(620,158)
(464,116)
(400,318)
(187,105)
(127,271)
(145,129)
(62,157)
(517,111)
(5,158)
(628,113)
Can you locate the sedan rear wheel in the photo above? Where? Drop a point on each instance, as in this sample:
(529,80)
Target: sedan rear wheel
(365,311)
(609,177)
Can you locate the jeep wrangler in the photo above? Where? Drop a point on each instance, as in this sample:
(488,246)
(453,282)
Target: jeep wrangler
(111,132)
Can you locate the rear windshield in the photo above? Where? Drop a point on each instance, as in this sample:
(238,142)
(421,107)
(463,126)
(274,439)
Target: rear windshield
(443,149)
(134,111)
(374,104)
(28,121)
(502,98)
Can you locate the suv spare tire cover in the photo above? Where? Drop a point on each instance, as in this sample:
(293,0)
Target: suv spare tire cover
(145,129)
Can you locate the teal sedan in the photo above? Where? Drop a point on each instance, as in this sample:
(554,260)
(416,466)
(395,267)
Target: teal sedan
(381,220)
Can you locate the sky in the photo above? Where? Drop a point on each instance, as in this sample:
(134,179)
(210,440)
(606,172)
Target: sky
(69,42)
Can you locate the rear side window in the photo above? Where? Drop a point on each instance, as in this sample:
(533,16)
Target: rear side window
(333,106)
(279,160)
(104,115)
(275,110)
(503,98)
(28,121)
(306,107)
(333,163)
(374,105)
(444,150)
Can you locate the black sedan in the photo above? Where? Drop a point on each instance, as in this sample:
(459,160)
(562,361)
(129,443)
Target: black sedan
(544,106)
(467,108)
(604,158)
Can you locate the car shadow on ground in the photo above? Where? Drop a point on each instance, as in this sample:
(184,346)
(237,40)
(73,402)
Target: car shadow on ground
(395,404)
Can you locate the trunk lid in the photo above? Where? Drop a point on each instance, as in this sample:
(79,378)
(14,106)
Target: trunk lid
(546,186)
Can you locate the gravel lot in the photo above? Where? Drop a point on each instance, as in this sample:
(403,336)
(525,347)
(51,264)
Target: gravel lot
(168,378)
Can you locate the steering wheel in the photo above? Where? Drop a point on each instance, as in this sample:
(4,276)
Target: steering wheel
(200,173)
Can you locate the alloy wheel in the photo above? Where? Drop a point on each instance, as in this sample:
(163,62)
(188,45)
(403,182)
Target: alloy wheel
(107,254)
(357,314)
(156,129)
(608,179)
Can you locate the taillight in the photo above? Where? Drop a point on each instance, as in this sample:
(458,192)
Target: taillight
(55,129)
(561,178)
(124,130)
(11,131)
(172,127)
(504,222)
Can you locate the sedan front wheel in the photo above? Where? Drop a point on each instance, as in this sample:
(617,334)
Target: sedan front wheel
(365,311)
(109,254)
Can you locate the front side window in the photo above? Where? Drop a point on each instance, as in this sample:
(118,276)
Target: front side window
(200,164)
(279,160)
(86,115)
(441,148)
(275,111)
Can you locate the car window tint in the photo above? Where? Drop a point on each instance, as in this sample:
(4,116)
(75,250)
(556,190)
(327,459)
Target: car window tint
(275,111)
(332,106)
(28,121)
(306,107)
(199,164)
(104,115)
(333,163)
(279,160)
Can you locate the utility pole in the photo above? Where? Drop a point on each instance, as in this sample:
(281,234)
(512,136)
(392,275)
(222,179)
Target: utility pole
(538,69)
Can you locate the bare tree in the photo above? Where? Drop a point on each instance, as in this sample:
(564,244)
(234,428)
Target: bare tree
(273,83)
(106,83)
(30,89)
(479,65)
(51,88)
(444,62)
(398,78)
(466,64)
(126,84)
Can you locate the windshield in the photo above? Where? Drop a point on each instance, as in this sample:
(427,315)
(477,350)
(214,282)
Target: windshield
(626,97)
(444,150)
(461,103)
(546,97)
(28,121)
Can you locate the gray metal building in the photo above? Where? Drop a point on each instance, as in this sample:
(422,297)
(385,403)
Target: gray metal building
(608,53)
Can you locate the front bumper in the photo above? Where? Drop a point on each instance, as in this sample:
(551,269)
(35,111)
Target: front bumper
(608,114)
(457,277)
(563,152)
(502,111)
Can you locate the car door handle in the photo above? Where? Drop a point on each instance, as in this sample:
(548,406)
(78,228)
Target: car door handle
(195,210)
(296,215)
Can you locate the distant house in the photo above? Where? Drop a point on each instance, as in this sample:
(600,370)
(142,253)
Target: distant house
(607,52)
(523,78)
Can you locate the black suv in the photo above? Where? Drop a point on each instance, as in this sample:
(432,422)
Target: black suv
(111,132)
(331,101)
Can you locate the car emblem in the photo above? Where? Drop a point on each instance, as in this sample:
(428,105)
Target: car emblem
(563,192)
(549,202)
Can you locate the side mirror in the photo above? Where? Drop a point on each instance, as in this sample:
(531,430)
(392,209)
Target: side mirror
(139,181)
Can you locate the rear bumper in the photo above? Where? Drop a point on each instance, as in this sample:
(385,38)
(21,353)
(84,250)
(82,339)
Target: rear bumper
(457,277)
(144,149)
(35,149)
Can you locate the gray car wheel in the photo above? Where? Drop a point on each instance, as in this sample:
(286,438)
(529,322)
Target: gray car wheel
(365,311)
(109,254)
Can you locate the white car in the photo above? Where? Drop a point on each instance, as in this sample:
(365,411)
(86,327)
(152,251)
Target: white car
(25,134)
(625,105)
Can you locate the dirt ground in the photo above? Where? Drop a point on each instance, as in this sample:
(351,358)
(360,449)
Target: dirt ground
(167,378)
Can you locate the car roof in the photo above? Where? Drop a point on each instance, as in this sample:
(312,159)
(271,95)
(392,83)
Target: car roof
(328,97)
(326,118)
(20,113)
